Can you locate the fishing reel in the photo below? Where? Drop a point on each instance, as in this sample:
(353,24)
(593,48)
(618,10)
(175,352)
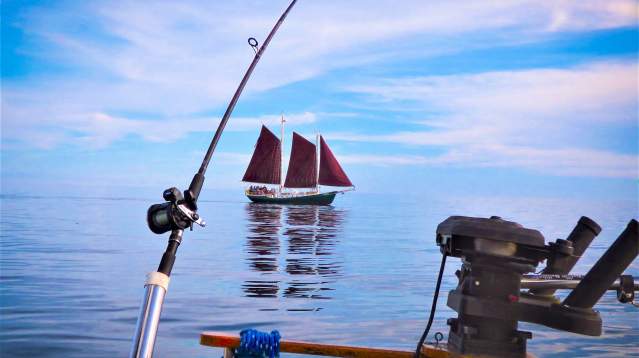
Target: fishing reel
(177,213)
(496,256)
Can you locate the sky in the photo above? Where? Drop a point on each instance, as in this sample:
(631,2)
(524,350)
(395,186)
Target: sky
(525,98)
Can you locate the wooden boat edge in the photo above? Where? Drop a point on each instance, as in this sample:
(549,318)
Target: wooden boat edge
(232,341)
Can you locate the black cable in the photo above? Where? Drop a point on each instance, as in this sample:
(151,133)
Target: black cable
(432,309)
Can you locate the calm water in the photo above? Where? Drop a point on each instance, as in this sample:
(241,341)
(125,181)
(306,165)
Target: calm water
(359,272)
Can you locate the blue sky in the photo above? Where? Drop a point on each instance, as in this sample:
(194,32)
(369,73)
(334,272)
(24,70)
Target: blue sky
(486,98)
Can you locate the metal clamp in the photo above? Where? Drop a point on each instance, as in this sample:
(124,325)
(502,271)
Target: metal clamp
(626,290)
(192,215)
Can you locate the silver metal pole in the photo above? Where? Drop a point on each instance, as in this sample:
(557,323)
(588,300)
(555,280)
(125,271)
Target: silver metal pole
(317,161)
(559,284)
(149,318)
(282,153)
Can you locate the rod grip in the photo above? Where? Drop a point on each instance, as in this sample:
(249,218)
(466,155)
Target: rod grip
(607,269)
(168,258)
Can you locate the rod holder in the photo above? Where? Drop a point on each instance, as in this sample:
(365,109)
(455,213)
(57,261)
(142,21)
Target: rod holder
(580,237)
(607,269)
(149,318)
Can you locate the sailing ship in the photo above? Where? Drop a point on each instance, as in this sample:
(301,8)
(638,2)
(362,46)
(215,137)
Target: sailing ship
(308,168)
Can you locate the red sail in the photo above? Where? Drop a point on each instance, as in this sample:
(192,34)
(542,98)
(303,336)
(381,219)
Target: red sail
(330,172)
(302,169)
(266,163)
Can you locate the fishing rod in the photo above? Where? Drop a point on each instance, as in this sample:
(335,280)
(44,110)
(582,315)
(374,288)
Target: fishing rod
(179,212)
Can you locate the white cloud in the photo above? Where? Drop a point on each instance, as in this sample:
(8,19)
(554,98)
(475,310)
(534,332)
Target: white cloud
(230,158)
(99,129)
(249,123)
(201,47)
(602,92)
(577,15)
(540,119)
(384,160)
(561,162)
(173,59)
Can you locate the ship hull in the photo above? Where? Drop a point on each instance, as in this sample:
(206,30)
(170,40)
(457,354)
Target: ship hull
(311,199)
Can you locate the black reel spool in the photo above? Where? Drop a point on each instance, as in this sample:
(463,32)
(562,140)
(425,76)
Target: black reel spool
(495,254)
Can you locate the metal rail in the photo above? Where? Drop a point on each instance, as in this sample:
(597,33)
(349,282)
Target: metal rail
(559,282)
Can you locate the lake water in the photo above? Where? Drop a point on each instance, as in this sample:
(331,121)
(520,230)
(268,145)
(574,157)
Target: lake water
(359,272)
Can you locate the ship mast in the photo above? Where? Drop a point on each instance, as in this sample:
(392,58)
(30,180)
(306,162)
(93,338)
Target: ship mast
(282,152)
(317,161)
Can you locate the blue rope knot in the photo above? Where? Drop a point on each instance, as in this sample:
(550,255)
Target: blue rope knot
(256,344)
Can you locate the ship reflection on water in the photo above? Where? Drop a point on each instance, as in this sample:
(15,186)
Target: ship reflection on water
(292,250)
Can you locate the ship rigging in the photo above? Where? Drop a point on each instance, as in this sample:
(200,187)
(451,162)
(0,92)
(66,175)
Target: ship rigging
(310,166)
